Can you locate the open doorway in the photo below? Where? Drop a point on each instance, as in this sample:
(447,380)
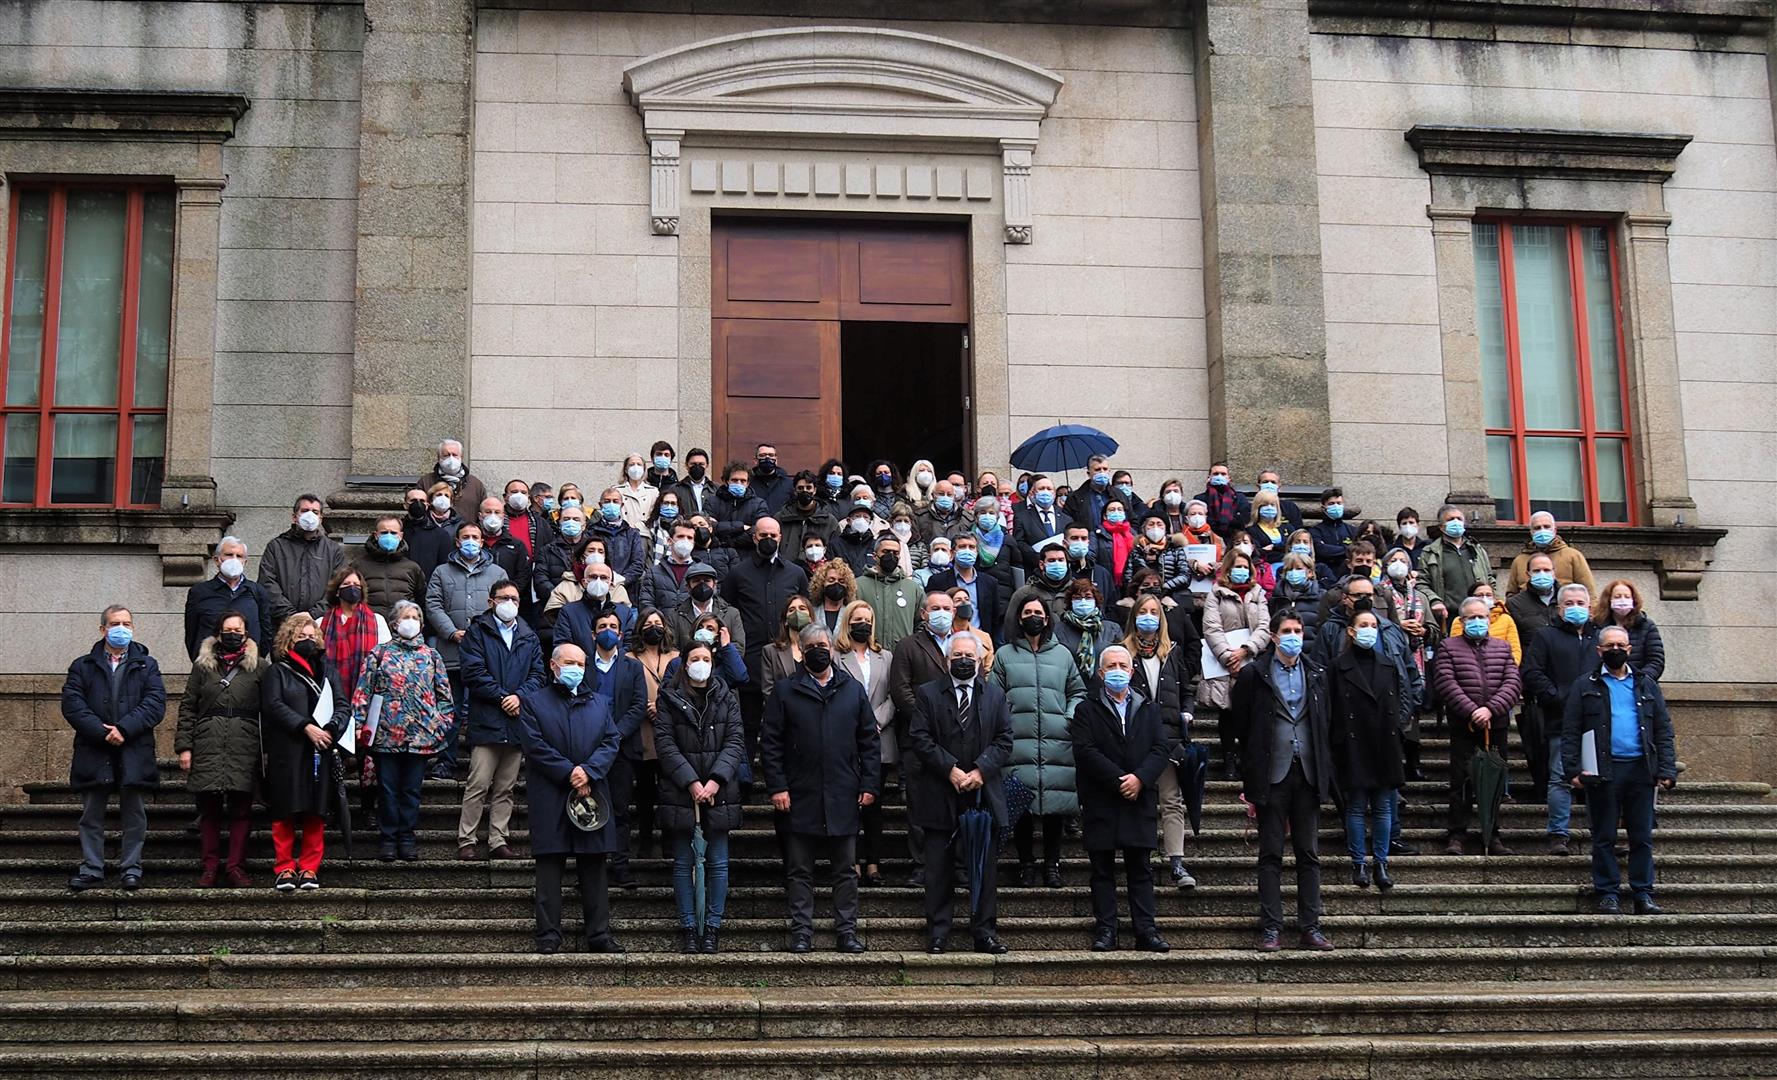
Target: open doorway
(903,387)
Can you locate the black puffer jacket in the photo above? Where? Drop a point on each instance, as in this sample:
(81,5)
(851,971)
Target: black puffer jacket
(699,744)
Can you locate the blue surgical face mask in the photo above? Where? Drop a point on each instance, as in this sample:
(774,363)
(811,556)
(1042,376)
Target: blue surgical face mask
(1077,549)
(607,639)
(1218,481)
(1542,537)
(940,621)
(1024,487)
(965,557)
(865,503)
(1301,549)
(662,462)
(1335,511)
(1366,637)
(737,490)
(470,548)
(610,511)
(706,636)
(1084,608)
(571,502)
(944,503)
(1101,480)
(1267,513)
(1147,622)
(1289,644)
(119,637)
(987,526)
(1296,576)
(572,528)
(1116,517)
(1454,528)
(1116,679)
(570,676)
(1240,575)
(1054,571)
(549,503)
(388,541)
(1543,580)
(1269,485)
(1125,490)
(1474,626)
(1577,614)
(668,512)
(835,481)
(1044,498)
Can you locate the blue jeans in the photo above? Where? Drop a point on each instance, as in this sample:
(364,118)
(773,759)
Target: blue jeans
(1631,793)
(1560,793)
(1369,803)
(399,777)
(715,878)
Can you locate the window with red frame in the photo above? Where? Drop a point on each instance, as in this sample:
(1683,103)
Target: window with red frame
(85,344)
(1553,377)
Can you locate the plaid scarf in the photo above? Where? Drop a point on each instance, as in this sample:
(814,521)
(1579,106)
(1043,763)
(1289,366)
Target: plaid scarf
(1086,654)
(348,645)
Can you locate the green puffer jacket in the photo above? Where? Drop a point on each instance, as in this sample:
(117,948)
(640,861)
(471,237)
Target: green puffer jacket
(219,723)
(1042,688)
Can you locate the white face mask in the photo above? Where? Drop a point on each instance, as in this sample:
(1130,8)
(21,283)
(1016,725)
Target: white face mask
(506,610)
(682,548)
(902,530)
(595,558)
(1397,570)
(519,502)
(450,465)
(939,559)
(1196,521)
(923,478)
(308,521)
(233,568)
(598,588)
(408,628)
(1410,531)
(1244,548)
(1154,535)
(859,526)
(817,553)
(634,472)
(699,670)
(1174,499)
(441,503)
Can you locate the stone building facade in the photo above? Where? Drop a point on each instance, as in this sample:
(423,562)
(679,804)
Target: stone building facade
(1216,230)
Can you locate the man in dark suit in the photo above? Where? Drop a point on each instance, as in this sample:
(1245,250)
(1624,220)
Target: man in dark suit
(1039,517)
(962,735)
(1119,752)
(918,659)
(612,672)
(989,602)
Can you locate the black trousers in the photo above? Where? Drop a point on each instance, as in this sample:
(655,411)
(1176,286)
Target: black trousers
(1140,878)
(940,859)
(1295,803)
(1024,835)
(870,847)
(800,850)
(1536,745)
(1463,745)
(635,791)
(752,718)
(595,905)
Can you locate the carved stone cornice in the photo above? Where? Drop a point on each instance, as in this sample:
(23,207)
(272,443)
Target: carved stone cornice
(1677,554)
(183,539)
(1501,151)
(1707,19)
(178,115)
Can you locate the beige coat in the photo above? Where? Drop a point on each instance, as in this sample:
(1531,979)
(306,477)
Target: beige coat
(1224,610)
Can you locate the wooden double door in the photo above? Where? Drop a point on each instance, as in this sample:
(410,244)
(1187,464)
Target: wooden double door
(779,294)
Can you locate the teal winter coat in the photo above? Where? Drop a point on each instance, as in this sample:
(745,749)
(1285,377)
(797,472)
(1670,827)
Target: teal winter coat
(1042,688)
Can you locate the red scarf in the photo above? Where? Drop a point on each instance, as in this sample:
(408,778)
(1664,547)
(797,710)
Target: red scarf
(1122,541)
(348,646)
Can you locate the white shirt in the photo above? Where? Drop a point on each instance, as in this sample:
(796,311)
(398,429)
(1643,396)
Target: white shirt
(603,664)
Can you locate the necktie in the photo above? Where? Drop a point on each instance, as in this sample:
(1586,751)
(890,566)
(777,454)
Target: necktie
(962,705)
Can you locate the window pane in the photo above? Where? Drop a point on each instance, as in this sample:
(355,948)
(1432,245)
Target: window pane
(18,467)
(148,458)
(154,301)
(85,460)
(1545,327)
(1501,480)
(1496,382)
(24,347)
(1613,482)
(89,327)
(1557,477)
(1601,331)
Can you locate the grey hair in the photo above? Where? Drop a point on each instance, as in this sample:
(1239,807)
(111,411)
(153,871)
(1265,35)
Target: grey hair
(231,539)
(1485,606)
(399,606)
(962,635)
(1109,649)
(813,634)
(1576,588)
(442,443)
(1195,502)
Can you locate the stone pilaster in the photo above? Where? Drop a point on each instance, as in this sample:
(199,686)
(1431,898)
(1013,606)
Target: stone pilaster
(410,366)
(188,483)
(1261,240)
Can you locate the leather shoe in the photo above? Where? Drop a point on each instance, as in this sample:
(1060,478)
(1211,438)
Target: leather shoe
(548,948)
(1104,940)
(1453,846)
(81,883)
(1401,847)
(1029,875)
(689,943)
(504,851)
(625,880)
(1608,904)
(1360,875)
(935,946)
(1270,940)
(848,943)
(712,941)
(467,853)
(800,944)
(606,944)
(385,852)
(1558,845)
(1383,881)
(1315,941)
(1152,943)
(132,881)
(1498,847)
(1644,905)
(991,945)
(1052,876)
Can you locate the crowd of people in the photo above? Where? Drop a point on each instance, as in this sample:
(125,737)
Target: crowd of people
(1009,645)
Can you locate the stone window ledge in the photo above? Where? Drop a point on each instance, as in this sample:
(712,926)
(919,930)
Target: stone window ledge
(184,116)
(183,539)
(1502,151)
(1677,554)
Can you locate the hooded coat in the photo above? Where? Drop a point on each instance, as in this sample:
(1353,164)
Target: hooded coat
(219,722)
(1043,688)
(699,744)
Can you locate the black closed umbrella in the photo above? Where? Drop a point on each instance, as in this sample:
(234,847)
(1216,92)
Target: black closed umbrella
(975,831)
(342,800)
(1487,779)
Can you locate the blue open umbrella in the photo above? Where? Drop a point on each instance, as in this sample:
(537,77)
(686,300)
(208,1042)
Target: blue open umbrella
(1061,448)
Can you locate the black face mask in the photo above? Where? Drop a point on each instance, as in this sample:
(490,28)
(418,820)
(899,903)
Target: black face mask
(804,498)
(416,508)
(835,590)
(765,468)
(696,472)
(860,632)
(1033,625)
(352,594)
(1361,604)
(309,649)
(965,613)
(962,667)
(817,658)
(702,539)
(887,561)
(231,642)
(653,635)
(702,591)
(1615,658)
(766,548)
(986,492)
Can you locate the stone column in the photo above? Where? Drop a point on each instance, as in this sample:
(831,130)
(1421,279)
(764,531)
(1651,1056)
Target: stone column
(1654,396)
(189,483)
(410,366)
(1261,240)
(1453,241)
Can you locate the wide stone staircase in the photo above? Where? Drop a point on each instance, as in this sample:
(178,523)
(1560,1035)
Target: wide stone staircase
(1471,967)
